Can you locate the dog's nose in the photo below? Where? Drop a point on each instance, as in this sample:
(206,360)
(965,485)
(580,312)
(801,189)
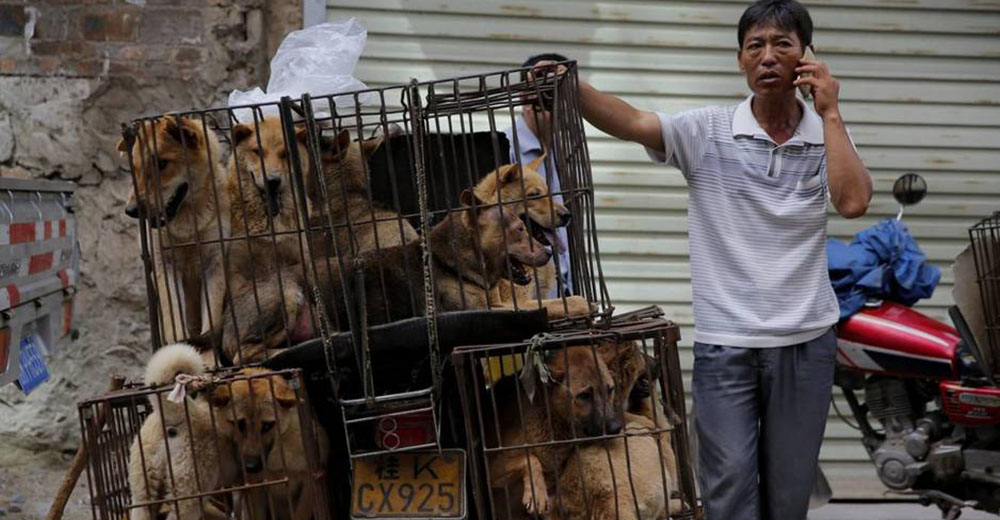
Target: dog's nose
(272,184)
(132,210)
(565,218)
(253,464)
(614,426)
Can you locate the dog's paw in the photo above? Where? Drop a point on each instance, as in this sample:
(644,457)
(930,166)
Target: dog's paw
(579,306)
(536,503)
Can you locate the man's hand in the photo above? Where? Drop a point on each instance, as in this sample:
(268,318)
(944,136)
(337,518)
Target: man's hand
(825,87)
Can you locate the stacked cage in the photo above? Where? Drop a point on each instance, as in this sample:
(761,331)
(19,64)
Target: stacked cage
(352,246)
(985,240)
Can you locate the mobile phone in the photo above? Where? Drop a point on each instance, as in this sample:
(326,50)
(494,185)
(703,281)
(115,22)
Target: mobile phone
(806,90)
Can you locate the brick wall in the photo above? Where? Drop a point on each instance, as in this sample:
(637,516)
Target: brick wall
(86,67)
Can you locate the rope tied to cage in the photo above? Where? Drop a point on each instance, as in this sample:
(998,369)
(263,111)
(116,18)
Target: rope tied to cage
(535,367)
(181,383)
(430,309)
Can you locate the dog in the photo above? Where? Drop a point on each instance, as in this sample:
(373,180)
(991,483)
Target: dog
(196,455)
(619,479)
(462,278)
(361,225)
(525,188)
(577,399)
(261,408)
(256,261)
(177,188)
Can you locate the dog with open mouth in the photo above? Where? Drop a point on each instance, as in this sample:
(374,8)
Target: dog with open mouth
(178,190)
(524,189)
(471,249)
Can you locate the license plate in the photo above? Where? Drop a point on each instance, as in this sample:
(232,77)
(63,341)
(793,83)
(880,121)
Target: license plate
(416,484)
(33,369)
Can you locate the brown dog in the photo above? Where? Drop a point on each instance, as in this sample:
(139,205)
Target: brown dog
(181,450)
(361,225)
(525,188)
(576,400)
(262,411)
(462,277)
(178,189)
(609,479)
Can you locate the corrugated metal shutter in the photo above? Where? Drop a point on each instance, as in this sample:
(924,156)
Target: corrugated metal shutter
(920,90)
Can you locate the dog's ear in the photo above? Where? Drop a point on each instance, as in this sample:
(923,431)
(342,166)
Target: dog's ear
(206,341)
(285,396)
(184,131)
(302,134)
(512,173)
(220,396)
(537,163)
(469,197)
(240,133)
(369,146)
(335,147)
(121,147)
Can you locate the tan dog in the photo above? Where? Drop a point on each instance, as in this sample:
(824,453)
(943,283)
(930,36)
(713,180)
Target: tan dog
(527,189)
(461,276)
(177,188)
(262,410)
(361,225)
(525,186)
(609,479)
(196,455)
(577,400)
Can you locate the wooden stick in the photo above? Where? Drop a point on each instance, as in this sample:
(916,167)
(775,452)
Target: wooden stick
(79,462)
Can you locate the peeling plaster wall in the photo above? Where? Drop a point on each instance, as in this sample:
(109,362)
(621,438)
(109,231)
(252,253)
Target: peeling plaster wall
(70,73)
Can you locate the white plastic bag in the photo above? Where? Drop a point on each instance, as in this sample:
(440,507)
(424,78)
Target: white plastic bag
(318,60)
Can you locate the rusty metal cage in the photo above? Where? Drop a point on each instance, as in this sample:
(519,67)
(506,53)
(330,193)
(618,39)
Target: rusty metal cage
(363,237)
(244,443)
(309,191)
(985,240)
(595,430)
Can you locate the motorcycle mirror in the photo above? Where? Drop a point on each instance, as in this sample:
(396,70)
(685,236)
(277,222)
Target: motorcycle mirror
(909,189)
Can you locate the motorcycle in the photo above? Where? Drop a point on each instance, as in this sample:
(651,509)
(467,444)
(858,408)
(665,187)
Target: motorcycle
(925,384)
(920,393)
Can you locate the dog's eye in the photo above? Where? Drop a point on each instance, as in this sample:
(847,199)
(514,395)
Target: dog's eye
(534,193)
(283,154)
(586,396)
(266,426)
(242,425)
(162,164)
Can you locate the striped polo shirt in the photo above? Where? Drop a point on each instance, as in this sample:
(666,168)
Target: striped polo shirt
(756,226)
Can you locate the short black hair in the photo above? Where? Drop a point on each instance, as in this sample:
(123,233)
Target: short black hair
(548,56)
(785,14)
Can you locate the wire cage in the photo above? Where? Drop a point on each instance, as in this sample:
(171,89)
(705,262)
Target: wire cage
(985,238)
(594,430)
(243,444)
(361,227)
(362,238)
(243,207)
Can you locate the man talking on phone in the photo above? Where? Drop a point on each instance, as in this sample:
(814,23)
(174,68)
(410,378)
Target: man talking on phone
(759,176)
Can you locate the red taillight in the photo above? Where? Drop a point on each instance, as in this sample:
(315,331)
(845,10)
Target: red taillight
(403,431)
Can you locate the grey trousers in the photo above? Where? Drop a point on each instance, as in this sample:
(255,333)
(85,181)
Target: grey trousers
(760,415)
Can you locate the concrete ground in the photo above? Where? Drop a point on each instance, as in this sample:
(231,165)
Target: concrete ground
(887,511)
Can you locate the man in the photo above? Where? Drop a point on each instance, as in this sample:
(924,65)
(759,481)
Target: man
(759,177)
(532,130)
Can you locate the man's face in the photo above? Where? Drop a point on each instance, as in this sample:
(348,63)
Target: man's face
(769,57)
